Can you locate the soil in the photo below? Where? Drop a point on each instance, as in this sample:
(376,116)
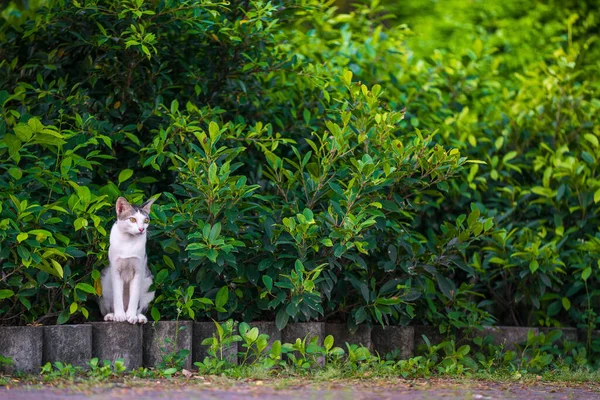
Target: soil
(215,388)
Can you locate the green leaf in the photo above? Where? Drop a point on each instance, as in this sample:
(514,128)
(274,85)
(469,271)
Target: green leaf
(16,173)
(222,297)
(587,272)
(533,266)
(446,286)
(592,139)
(213,131)
(80,223)
(59,270)
(6,293)
(566,303)
(597,196)
(155,314)
(167,260)
(86,288)
(360,315)
(348,77)
(161,276)
(215,231)
(328,343)
(63,317)
(281,319)
(22,236)
(509,156)
(268,281)
(124,175)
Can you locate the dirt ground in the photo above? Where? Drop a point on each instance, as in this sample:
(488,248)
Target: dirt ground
(207,389)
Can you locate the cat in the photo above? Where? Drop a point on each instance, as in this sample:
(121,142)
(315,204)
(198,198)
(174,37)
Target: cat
(126,281)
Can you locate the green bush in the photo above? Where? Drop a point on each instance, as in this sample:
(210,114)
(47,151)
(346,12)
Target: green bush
(310,164)
(287,188)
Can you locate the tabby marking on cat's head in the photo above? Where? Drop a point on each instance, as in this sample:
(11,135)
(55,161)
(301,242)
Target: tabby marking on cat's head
(131,219)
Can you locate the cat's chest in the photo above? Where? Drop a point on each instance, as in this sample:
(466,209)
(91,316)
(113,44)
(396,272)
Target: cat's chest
(122,246)
(127,250)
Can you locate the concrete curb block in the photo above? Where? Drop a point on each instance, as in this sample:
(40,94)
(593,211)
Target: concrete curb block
(71,344)
(159,341)
(301,330)
(342,335)
(433,335)
(569,334)
(114,340)
(23,344)
(268,328)
(509,336)
(203,330)
(30,347)
(392,338)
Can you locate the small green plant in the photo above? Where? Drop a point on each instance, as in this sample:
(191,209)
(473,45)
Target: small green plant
(106,370)
(6,361)
(59,370)
(172,359)
(254,342)
(219,357)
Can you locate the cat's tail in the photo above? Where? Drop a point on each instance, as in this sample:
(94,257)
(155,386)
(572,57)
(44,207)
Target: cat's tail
(106,301)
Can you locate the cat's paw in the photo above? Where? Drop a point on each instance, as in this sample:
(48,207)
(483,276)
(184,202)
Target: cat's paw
(132,318)
(142,318)
(109,317)
(120,317)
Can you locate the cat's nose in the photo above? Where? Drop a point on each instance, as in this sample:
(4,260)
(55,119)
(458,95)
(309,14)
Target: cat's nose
(141,230)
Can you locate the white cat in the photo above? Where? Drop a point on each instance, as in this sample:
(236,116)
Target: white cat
(126,281)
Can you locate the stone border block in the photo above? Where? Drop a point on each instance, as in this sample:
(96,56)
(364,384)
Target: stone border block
(509,336)
(433,335)
(390,338)
(71,344)
(23,344)
(114,340)
(162,338)
(300,330)
(203,330)
(268,328)
(569,334)
(342,335)
(582,335)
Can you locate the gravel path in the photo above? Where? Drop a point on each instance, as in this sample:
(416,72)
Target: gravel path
(399,390)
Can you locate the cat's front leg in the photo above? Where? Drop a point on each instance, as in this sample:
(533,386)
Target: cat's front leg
(118,307)
(134,299)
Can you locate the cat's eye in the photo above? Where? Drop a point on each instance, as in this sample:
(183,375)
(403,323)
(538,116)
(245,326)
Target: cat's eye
(146,220)
(132,219)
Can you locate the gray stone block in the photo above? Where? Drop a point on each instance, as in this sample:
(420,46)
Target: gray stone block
(163,338)
(23,344)
(390,338)
(268,328)
(303,330)
(114,340)
(342,335)
(71,344)
(203,330)
(569,334)
(432,333)
(582,335)
(509,336)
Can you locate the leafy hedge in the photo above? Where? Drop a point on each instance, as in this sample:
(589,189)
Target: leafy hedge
(310,164)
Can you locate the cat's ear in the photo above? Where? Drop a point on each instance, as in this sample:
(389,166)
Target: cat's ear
(146,206)
(122,206)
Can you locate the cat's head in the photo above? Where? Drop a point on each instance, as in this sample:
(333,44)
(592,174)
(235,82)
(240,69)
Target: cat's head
(133,220)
